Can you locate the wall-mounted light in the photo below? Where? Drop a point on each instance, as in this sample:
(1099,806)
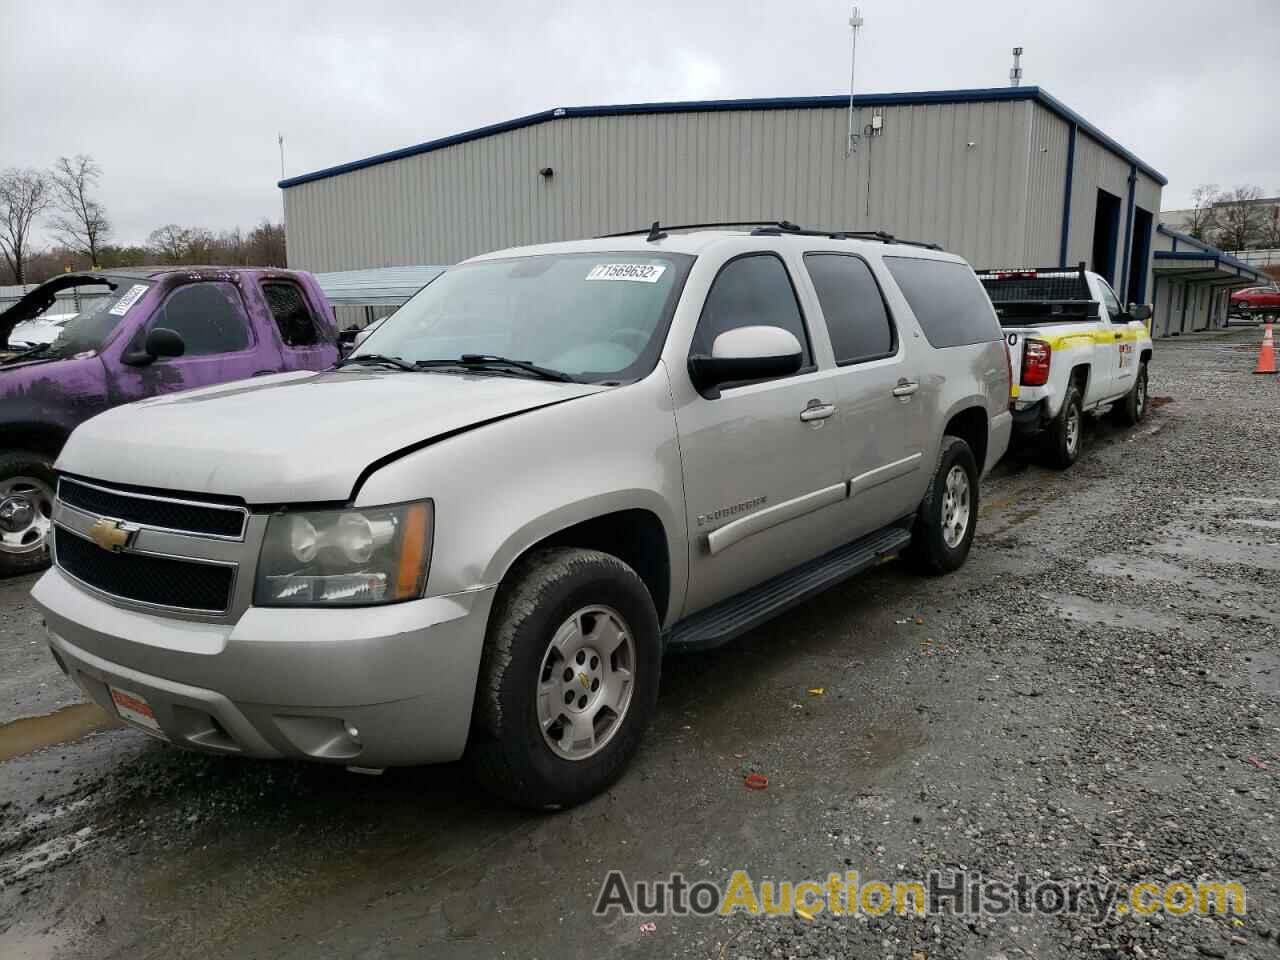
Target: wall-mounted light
(547,172)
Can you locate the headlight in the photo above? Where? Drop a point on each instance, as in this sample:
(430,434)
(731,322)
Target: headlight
(345,557)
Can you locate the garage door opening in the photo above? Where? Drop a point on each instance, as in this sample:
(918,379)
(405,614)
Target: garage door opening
(1136,290)
(1106,229)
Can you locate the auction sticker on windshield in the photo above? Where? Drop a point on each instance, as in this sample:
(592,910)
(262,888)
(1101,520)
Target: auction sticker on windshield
(128,300)
(639,272)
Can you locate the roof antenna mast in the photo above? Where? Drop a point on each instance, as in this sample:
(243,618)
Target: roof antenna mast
(855,22)
(1015,72)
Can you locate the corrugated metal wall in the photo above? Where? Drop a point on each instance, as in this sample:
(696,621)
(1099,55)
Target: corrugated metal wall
(1047,149)
(956,174)
(986,179)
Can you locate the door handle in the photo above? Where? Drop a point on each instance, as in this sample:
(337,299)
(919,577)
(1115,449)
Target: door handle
(905,388)
(817,410)
(1119,336)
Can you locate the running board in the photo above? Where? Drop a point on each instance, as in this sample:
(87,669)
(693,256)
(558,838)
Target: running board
(722,622)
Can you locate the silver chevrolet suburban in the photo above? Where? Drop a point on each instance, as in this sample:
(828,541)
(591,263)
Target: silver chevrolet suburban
(481,532)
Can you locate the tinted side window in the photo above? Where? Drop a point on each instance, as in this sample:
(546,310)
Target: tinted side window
(947,299)
(293,318)
(1109,301)
(857,319)
(209,317)
(749,292)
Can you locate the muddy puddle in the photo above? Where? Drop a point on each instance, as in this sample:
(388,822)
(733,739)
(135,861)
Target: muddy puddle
(1084,610)
(30,734)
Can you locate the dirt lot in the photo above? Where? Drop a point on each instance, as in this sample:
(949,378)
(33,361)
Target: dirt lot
(1095,695)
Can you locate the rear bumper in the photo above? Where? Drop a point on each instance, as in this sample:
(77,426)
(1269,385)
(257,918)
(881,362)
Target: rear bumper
(285,683)
(1028,421)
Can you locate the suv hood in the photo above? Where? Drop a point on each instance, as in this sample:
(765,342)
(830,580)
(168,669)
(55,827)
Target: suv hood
(294,437)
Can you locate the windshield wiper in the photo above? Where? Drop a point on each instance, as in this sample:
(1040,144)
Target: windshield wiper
(488,360)
(39,348)
(379,358)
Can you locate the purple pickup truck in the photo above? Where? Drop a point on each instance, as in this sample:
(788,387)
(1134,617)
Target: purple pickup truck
(157,330)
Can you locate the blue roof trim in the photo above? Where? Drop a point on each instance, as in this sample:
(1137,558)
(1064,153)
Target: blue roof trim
(1208,252)
(922,97)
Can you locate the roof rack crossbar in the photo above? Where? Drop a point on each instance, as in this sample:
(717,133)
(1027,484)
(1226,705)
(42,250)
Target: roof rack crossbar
(769,228)
(658,227)
(879,235)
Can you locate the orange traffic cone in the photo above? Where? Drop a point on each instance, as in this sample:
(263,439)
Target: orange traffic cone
(1267,355)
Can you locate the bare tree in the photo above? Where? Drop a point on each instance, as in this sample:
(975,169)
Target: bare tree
(1269,229)
(82,222)
(170,243)
(1201,221)
(266,245)
(24,195)
(1238,216)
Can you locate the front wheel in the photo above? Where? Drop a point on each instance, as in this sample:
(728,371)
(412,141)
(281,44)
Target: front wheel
(948,516)
(26,512)
(568,678)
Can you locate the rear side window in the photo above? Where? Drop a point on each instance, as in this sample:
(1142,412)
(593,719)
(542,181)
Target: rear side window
(208,316)
(751,291)
(947,299)
(293,318)
(856,316)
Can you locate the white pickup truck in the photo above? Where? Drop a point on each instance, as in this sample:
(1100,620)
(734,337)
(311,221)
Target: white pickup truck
(1073,349)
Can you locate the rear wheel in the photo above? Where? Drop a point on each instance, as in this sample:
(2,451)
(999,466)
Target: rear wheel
(1133,407)
(26,512)
(1065,435)
(568,679)
(948,516)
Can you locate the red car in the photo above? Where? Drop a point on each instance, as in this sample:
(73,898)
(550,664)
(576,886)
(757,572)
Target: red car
(1252,300)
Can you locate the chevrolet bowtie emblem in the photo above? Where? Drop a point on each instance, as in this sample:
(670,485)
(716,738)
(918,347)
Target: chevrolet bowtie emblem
(584,680)
(111,535)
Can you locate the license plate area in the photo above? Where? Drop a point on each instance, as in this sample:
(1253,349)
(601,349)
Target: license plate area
(133,708)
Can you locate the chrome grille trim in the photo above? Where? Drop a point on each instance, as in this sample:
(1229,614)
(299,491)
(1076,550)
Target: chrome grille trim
(242,513)
(240,554)
(132,602)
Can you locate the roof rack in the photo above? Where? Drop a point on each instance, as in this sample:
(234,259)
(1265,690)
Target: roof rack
(656,231)
(769,228)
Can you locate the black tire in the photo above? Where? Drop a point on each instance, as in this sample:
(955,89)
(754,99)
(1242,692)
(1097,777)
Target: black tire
(1060,451)
(34,556)
(1130,410)
(929,552)
(508,750)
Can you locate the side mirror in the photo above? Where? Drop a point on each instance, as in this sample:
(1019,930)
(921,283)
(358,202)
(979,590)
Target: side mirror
(1140,312)
(746,353)
(160,342)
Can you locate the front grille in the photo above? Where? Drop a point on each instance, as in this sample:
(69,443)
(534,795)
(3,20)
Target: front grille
(207,520)
(146,579)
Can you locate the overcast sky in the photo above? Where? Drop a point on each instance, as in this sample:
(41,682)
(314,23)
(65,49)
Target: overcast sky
(180,102)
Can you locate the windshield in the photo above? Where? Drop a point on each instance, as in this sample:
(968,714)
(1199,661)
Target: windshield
(98,318)
(596,316)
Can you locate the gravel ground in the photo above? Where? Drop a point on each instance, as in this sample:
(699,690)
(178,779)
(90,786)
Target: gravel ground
(1094,696)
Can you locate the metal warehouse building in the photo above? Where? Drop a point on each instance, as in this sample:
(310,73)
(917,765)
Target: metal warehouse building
(1006,176)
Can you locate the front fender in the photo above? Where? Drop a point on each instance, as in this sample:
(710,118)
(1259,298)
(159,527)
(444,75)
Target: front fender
(502,487)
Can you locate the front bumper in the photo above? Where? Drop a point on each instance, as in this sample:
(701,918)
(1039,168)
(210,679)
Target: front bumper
(285,682)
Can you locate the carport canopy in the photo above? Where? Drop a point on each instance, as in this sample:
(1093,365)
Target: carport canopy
(1202,266)
(378,287)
